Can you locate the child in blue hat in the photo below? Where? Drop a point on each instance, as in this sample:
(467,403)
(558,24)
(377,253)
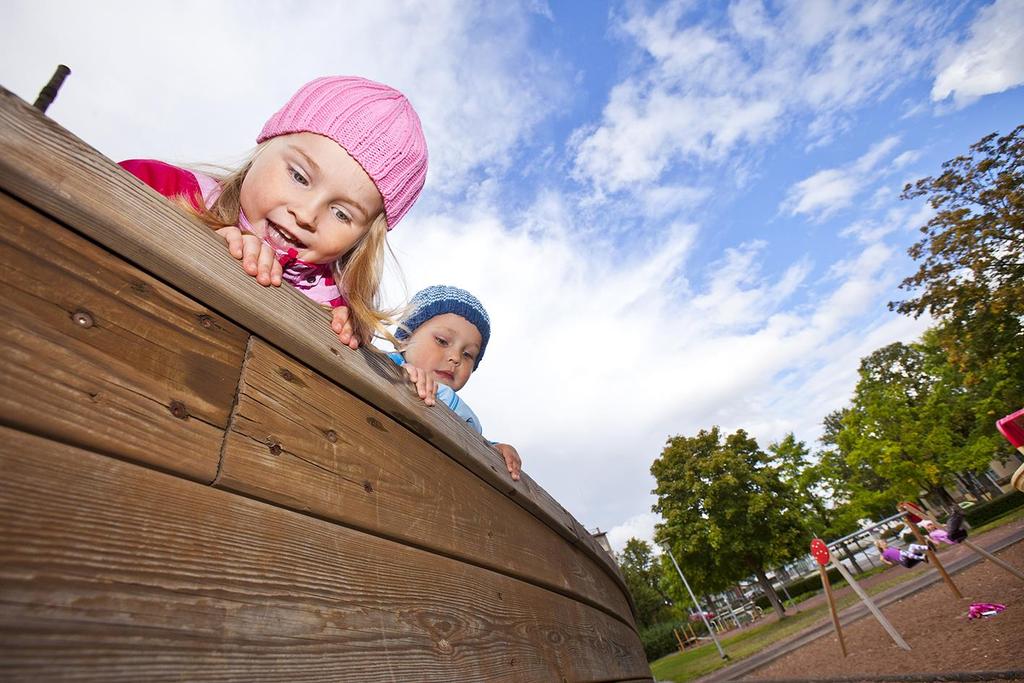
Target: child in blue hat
(444,337)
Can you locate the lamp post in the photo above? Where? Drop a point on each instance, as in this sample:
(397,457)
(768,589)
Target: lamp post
(700,609)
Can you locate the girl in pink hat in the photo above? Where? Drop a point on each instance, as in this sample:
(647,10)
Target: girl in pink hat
(336,168)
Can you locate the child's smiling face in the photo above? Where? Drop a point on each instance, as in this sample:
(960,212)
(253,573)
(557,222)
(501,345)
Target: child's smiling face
(304,192)
(447,346)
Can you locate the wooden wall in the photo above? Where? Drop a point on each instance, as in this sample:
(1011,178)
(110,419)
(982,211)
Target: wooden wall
(200,483)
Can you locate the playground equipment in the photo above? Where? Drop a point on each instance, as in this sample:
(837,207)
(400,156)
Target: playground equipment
(200,483)
(821,554)
(1012,427)
(912,515)
(915,515)
(686,637)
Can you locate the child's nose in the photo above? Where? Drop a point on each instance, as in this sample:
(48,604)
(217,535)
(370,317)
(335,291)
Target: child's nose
(304,214)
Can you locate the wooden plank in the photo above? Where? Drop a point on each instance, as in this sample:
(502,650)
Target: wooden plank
(46,166)
(111,571)
(98,354)
(300,441)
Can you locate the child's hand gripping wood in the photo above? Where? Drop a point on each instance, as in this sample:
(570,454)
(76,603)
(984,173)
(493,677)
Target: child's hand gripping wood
(261,261)
(423,383)
(512,460)
(258,258)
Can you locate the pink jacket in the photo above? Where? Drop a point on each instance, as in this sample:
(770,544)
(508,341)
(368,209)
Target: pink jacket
(315,280)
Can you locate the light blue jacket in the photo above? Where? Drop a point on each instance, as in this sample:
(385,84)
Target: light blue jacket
(447,395)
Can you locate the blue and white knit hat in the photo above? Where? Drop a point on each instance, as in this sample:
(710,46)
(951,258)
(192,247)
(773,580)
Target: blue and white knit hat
(436,300)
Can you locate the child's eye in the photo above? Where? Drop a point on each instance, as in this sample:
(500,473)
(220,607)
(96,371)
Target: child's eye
(340,214)
(298,177)
(441,341)
(468,355)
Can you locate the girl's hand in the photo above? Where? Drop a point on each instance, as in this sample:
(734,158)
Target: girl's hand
(512,460)
(342,327)
(424,383)
(257,257)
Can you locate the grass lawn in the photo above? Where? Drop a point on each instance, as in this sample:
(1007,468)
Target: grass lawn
(697,662)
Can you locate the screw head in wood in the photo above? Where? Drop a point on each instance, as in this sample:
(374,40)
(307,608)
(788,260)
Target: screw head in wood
(178,410)
(83,318)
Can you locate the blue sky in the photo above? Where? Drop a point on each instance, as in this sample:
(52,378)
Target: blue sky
(679,214)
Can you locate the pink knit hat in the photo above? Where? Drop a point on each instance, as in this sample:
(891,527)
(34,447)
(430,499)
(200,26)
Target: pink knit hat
(375,123)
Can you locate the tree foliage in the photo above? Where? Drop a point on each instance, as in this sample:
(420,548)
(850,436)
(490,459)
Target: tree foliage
(855,489)
(970,278)
(971,272)
(727,511)
(643,575)
(814,491)
(972,254)
(911,421)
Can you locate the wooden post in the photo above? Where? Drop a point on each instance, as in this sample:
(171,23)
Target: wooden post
(932,556)
(992,558)
(832,608)
(49,91)
(870,604)
(678,640)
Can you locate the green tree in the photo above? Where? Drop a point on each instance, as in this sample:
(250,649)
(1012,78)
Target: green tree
(797,469)
(909,422)
(727,511)
(642,573)
(970,276)
(807,478)
(855,488)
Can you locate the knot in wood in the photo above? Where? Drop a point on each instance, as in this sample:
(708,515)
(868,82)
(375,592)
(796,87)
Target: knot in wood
(275,448)
(289,376)
(376,424)
(331,435)
(178,410)
(367,486)
(205,320)
(83,318)
(444,646)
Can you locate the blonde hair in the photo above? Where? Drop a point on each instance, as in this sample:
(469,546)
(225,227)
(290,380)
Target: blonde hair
(358,272)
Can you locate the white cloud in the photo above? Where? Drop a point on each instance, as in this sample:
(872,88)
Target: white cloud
(990,61)
(610,333)
(829,190)
(599,354)
(704,90)
(200,84)
(639,526)
(904,217)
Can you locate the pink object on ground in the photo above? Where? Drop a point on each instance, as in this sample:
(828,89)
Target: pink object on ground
(977,610)
(373,122)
